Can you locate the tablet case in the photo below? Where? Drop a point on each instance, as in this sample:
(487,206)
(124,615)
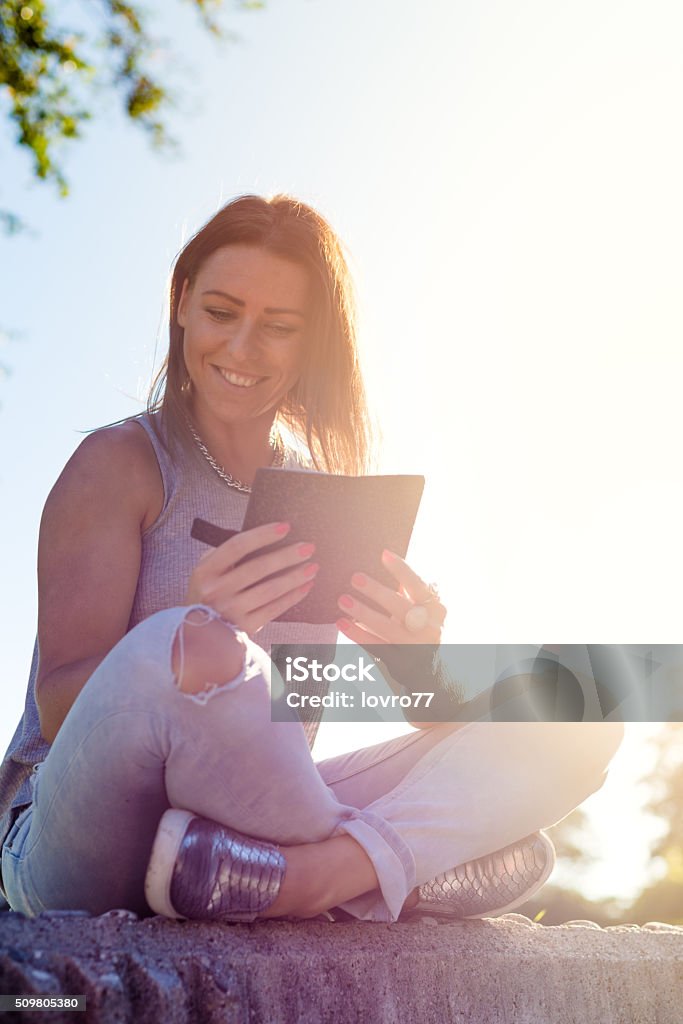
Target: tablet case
(350,519)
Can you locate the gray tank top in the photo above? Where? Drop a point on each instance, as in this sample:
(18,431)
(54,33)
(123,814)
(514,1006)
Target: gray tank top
(169,554)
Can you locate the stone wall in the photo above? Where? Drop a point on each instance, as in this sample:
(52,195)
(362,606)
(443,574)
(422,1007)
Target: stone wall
(477,972)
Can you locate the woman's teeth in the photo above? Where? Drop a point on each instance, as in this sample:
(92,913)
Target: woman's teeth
(238,379)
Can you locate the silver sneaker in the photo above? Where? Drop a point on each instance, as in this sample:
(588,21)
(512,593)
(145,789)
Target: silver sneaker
(202,871)
(490,885)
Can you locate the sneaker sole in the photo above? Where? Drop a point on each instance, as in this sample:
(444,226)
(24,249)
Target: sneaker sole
(165,848)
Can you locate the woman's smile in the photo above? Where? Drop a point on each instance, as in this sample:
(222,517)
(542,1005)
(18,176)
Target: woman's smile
(239,380)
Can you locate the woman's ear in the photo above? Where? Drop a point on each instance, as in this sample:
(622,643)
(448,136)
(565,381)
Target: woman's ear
(182,303)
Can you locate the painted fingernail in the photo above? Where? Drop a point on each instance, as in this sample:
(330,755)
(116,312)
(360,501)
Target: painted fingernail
(281,529)
(346,602)
(343,624)
(311,569)
(306,587)
(388,556)
(305,550)
(359,580)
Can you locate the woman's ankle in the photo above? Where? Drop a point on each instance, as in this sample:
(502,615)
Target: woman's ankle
(322,875)
(300,893)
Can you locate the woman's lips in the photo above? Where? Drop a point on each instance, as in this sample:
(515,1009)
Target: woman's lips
(238,380)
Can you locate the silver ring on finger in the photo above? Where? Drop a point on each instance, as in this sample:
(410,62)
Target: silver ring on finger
(416,618)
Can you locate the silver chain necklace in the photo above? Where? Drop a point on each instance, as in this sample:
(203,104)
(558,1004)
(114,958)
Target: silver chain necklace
(232,481)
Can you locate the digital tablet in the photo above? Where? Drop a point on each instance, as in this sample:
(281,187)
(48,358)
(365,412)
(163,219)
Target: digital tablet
(350,519)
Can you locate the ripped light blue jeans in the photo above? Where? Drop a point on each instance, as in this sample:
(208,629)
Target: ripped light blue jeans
(134,744)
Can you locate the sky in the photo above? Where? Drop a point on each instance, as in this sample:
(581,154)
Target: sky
(506,178)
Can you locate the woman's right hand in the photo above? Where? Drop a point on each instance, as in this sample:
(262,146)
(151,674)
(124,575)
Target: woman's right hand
(242,594)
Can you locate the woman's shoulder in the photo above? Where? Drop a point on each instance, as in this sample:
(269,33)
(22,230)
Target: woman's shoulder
(123,447)
(115,462)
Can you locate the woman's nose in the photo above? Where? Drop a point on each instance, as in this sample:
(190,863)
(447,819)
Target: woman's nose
(243,339)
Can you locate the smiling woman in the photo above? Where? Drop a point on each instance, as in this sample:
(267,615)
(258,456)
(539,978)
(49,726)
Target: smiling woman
(245,320)
(263,291)
(147,772)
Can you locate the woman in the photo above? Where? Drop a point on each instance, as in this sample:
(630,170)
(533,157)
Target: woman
(146,771)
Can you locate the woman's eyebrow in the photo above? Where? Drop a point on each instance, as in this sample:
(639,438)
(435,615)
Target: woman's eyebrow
(225,295)
(270,310)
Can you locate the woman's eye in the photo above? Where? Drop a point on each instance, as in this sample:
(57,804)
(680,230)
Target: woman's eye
(222,314)
(282,330)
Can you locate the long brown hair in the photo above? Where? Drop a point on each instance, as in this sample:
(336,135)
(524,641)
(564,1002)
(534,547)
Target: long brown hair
(327,407)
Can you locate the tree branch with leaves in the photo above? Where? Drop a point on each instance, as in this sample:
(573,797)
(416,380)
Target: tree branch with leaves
(49,72)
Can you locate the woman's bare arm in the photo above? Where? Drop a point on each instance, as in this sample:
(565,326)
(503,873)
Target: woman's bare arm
(89,561)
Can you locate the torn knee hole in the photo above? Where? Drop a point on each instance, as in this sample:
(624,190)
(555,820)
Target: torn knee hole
(206,653)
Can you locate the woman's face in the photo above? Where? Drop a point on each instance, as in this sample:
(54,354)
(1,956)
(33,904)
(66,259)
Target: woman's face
(245,318)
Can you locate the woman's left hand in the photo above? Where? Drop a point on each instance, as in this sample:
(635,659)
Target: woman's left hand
(365,625)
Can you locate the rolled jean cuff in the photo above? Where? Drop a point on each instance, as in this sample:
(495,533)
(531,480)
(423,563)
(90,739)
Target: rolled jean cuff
(393,862)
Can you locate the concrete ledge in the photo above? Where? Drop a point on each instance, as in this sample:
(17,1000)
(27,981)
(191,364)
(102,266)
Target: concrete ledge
(477,972)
